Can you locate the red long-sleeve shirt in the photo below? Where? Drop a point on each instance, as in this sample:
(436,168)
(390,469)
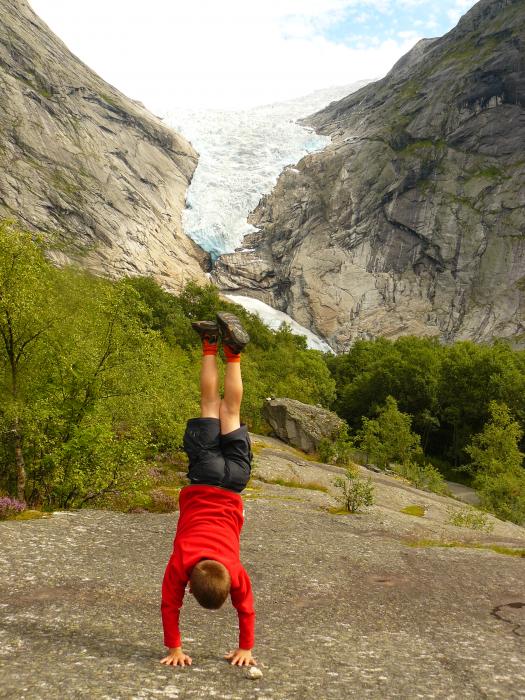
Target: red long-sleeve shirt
(209,527)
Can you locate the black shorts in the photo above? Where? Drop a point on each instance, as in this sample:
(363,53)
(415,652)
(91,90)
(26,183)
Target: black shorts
(215,459)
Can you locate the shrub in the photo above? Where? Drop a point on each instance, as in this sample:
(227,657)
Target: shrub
(471,518)
(425,477)
(389,436)
(336,451)
(503,495)
(10,507)
(355,493)
(162,502)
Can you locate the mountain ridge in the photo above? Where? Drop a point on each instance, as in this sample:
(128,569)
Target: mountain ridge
(411,220)
(88,164)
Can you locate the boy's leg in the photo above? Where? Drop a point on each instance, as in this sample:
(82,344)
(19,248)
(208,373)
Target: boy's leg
(235,441)
(202,436)
(234,339)
(210,398)
(209,379)
(230,406)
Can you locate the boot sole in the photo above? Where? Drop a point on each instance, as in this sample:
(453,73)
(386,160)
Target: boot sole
(233,334)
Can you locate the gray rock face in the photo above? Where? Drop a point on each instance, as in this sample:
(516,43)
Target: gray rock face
(301,424)
(82,161)
(345,609)
(412,220)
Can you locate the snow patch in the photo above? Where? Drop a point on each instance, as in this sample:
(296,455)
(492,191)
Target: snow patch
(273,319)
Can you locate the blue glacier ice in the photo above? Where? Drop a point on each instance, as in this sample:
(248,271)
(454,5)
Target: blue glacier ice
(241,155)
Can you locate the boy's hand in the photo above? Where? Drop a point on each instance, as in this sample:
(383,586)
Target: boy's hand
(176,657)
(241,657)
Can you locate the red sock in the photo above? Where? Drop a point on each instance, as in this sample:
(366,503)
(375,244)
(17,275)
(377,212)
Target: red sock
(230,355)
(209,348)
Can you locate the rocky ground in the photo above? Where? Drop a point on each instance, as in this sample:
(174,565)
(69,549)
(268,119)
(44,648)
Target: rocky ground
(347,605)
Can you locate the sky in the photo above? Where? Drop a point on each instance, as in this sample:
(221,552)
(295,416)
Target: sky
(237,54)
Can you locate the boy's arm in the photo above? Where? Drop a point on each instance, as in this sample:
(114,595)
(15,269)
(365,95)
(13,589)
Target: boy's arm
(242,599)
(173,587)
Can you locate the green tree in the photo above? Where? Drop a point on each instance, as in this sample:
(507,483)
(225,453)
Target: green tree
(165,312)
(104,364)
(27,313)
(354,492)
(389,438)
(472,376)
(497,465)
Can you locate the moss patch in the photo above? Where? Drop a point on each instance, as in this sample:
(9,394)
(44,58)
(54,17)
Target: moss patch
(292,484)
(258,447)
(418,511)
(110,101)
(337,510)
(509,551)
(61,183)
(31,515)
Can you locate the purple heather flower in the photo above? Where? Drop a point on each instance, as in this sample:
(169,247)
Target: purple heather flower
(10,506)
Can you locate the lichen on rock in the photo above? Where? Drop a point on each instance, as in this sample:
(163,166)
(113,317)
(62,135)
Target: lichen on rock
(299,424)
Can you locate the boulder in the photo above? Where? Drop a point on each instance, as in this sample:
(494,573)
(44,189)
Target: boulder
(300,424)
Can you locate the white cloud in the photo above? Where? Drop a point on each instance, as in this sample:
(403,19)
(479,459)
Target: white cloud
(460,7)
(228,54)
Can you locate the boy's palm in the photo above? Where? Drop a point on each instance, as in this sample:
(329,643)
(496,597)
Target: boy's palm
(241,657)
(176,657)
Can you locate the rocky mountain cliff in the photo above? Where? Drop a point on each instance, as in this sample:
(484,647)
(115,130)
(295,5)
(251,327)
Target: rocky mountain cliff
(412,220)
(84,162)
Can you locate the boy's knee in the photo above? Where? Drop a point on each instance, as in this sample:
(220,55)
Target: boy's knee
(210,409)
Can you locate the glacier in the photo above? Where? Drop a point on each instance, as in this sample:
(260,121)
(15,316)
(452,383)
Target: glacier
(241,155)
(273,318)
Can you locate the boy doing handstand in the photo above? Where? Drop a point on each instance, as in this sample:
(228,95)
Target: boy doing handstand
(206,549)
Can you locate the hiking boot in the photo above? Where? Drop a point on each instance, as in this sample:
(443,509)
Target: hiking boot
(233,334)
(208,331)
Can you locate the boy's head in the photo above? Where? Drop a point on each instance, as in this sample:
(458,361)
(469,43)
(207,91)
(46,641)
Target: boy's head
(210,583)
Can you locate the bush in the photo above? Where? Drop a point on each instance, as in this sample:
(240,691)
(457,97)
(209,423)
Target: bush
(10,507)
(355,493)
(389,437)
(471,518)
(336,451)
(98,378)
(425,477)
(503,495)
(162,502)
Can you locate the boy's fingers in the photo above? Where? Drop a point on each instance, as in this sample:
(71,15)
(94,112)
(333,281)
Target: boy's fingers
(176,661)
